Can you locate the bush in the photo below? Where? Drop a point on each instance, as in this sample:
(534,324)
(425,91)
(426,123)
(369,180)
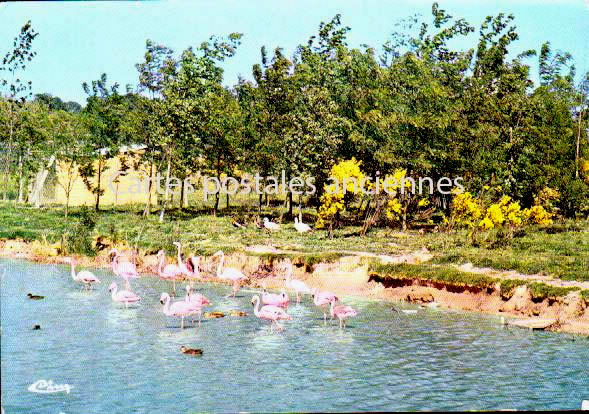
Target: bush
(79,238)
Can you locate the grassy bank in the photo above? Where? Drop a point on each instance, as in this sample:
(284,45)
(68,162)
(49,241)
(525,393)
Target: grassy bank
(450,276)
(561,250)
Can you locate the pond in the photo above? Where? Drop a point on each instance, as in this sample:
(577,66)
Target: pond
(119,360)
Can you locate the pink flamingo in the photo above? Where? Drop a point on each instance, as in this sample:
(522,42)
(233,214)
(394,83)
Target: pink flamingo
(126,270)
(342,312)
(85,277)
(323,299)
(297,285)
(196,299)
(170,272)
(179,309)
(270,313)
(122,296)
(275,299)
(189,268)
(229,273)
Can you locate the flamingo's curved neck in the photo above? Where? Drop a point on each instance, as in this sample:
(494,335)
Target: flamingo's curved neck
(114,262)
(160,264)
(73,270)
(257,306)
(167,305)
(220,265)
(315,297)
(113,293)
(331,306)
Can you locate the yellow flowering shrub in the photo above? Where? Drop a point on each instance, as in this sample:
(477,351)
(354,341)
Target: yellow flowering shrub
(393,209)
(333,198)
(465,210)
(546,198)
(538,215)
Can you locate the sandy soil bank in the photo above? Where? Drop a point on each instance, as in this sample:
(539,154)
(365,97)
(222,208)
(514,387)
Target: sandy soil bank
(350,276)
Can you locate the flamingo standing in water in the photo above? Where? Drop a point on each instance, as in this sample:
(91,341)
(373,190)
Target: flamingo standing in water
(270,313)
(196,299)
(342,312)
(126,270)
(275,299)
(229,273)
(189,268)
(85,277)
(323,299)
(297,285)
(169,272)
(179,309)
(122,296)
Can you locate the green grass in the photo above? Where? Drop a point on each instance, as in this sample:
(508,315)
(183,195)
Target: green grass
(561,250)
(564,255)
(541,291)
(452,276)
(446,274)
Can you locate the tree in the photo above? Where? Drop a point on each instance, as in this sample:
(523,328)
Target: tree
(15,91)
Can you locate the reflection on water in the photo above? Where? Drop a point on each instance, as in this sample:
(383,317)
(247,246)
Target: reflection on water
(128,360)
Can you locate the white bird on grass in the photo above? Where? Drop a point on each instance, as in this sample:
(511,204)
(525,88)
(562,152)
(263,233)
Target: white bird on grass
(269,225)
(300,226)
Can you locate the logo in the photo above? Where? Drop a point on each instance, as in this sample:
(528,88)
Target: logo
(48,387)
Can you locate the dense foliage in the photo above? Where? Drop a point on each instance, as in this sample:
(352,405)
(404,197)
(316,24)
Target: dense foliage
(416,108)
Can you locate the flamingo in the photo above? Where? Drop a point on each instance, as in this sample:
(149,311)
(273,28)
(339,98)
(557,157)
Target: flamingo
(275,299)
(179,309)
(322,299)
(270,313)
(297,285)
(170,272)
(300,226)
(189,268)
(85,277)
(126,270)
(229,273)
(196,299)
(342,312)
(269,225)
(122,296)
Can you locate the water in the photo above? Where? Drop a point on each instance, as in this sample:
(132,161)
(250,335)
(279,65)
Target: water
(128,361)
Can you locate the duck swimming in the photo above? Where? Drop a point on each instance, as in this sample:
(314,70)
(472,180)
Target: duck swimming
(35,297)
(190,351)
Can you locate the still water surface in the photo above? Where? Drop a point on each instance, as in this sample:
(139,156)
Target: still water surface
(128,361)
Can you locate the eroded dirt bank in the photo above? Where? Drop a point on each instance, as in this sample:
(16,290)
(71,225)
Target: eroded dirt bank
(350,275)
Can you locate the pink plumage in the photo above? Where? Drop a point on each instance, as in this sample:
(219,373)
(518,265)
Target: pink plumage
(270,313)
(342,312)
(275,299)
(123,296)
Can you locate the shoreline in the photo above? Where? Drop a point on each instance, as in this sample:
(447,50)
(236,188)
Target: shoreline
(351,275)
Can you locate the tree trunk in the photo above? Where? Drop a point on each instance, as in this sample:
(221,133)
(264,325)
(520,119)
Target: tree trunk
(578,144)
(260,196)
(21,181)
(167,188)
(37,191)
(182,196)
(290,204)
(216,204)
(147,209)
(227,205)
(97,207)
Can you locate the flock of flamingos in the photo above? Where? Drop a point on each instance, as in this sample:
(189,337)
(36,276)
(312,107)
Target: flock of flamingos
(274,307)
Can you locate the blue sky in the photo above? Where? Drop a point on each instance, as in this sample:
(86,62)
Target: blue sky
(80,40)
